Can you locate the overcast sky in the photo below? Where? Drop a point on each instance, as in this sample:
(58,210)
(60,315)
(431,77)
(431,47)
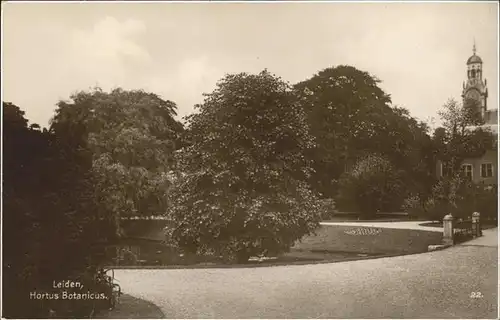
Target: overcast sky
(180,50)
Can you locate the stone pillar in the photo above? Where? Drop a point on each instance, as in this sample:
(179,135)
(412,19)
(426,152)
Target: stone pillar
(448,229)
(476,224)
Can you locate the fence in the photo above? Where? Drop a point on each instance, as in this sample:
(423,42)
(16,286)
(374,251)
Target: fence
(463,231)
(457,231)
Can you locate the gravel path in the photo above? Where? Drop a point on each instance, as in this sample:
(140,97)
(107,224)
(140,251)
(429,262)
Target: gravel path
(489,239)
(409,225)
(429,285)
(132,308)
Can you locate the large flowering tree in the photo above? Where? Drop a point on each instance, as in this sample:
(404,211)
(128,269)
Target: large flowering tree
(242,190)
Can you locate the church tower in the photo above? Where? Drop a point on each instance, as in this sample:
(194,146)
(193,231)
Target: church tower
(475,88)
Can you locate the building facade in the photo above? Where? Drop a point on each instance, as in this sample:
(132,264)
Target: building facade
(481,169)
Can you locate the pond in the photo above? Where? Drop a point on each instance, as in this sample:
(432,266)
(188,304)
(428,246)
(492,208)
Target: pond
(156,254)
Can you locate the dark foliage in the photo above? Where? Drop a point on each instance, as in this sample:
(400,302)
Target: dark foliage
(242,190)
(131,138)
(350,116)
(50,217)
(373,185)
(459,197)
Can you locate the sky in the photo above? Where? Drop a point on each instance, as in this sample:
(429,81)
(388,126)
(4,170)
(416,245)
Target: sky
(181,50)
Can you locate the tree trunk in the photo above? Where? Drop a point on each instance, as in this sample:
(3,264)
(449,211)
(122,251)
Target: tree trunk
(116,220)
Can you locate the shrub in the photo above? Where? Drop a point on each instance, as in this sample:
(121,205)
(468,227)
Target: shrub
(239,225)
(243,190)
(327,208)
(458,197)
(414,207)
(373,185)
(479,198)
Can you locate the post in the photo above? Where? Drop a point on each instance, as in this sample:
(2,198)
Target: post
(476,224)
(448,229)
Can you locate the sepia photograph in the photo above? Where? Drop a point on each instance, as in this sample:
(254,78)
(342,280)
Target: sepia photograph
(249,159)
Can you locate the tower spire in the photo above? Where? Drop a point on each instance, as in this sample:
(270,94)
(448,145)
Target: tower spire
(474,47)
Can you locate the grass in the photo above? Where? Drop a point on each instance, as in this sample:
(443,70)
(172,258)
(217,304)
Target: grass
(367,240)
(340,217)
(379,217)
(332,244)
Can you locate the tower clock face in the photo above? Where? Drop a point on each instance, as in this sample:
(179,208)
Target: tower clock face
(473,94)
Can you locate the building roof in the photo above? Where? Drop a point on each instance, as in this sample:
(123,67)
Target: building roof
(474,59)
(493,128)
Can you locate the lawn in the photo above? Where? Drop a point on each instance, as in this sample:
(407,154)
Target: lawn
(355,216)
(367,240)
(329,243)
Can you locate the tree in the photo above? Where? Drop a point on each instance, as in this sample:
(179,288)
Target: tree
(409,148)
(49,215)
(461,136)
(459,197)
(372,185)
(132,136)
(13,117)
(242,190)
(350,116)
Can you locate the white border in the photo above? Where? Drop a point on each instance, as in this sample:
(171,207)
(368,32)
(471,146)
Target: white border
(194,2)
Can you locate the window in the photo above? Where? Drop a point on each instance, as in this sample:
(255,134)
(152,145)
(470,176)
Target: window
(467,171)
(486,170)
(445,169)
